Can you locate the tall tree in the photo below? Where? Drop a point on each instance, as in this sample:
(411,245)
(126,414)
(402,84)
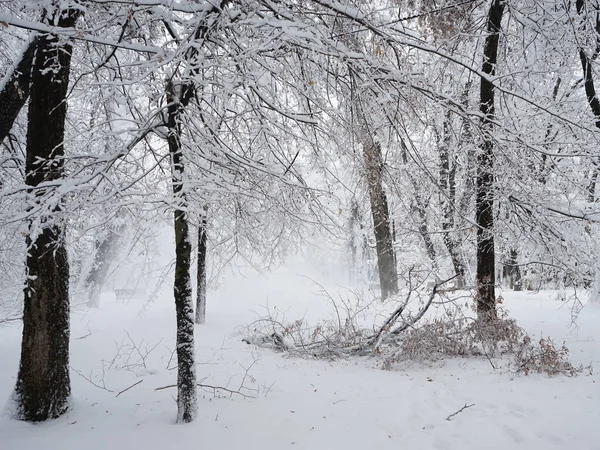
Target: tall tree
(43,384)
(484,203)
(178,97)
(363,103)
(590,88)
(386,262)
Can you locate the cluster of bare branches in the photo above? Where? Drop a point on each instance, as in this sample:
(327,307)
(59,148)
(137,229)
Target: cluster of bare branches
(403,336)
(342,337)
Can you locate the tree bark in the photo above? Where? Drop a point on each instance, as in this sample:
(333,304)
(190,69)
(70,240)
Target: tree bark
(182,289)
(43,384)
(201,274)
(15,92)
(388,277)
(484,206)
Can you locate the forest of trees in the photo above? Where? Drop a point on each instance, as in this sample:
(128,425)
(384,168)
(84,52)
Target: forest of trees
(454,139)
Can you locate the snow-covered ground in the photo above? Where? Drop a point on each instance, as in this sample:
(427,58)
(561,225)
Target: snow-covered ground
(299,403)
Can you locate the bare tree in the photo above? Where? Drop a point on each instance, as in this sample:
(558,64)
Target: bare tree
(178,97)
(386,263)
(590,88)
(484,204)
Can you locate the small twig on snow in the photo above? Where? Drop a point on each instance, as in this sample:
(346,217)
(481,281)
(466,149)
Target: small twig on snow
(459,411)
(126,389)
(208,386)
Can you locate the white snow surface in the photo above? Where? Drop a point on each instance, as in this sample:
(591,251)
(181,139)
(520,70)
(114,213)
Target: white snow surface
(303,403)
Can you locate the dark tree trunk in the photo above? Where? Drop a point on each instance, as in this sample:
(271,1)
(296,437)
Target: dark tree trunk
(182,288)
(201,275)
(388,277)
(590,92)
(43,384)
(484,206)
(178,97)
(15,92)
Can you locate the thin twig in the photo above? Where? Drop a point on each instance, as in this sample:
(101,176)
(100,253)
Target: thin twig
(86,335)
(208,386)
(10,320)
(89,379)
(459,411)
(126,389)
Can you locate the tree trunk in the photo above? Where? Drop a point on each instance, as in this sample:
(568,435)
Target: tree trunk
(106,248)
(419,208)
(201,296)
(512,272)
(594,102)
(484,206)
(388,277)
(15,92)
(590,92)
(182,288)
(178,97)
(43,385)
(448,200)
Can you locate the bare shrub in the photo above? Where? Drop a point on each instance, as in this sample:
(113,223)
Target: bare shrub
(545,357)
(436,339)
(457,335)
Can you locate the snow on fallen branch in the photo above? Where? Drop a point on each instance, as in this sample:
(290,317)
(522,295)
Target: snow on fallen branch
(405,336)
(334,339)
